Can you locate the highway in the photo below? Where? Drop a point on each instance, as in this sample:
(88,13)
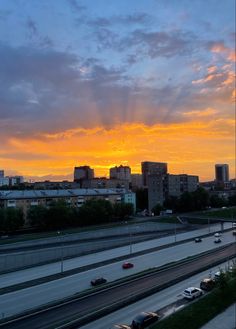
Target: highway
(107,297)
(171,297)
(14,278)
(30,298)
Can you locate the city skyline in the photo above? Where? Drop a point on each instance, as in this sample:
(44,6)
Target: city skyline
(116,83)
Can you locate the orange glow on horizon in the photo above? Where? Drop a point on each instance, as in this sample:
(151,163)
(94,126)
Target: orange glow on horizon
(190,147)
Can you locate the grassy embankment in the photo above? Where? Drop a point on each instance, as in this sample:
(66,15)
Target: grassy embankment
(203,310)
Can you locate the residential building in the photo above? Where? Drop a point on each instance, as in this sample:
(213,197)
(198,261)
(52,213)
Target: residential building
(161,187)
(152,168)
(11,180)
(103,182)
(1,173)
(188,183)
(83,172)
(24,199)
(136,181)
(121,172)
(156,194)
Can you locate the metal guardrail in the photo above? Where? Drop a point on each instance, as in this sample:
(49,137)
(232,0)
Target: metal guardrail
(119,283)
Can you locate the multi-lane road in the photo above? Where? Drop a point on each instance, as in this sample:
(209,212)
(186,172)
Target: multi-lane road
(23,300)
(110,297)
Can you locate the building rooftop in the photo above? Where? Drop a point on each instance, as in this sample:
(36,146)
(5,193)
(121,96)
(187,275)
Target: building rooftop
(28,194)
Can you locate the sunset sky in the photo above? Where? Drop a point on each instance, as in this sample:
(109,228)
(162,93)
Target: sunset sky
(111,82)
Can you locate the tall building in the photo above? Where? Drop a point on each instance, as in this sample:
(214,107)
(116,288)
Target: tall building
(121,172)
(152,168)
(1,173)
(155,191)
(83,172)
(221,173)
(136,181)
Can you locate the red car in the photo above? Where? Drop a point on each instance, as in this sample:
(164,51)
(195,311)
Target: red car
(127,265)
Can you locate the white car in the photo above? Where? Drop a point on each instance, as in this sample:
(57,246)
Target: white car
(217,235)
(192,292)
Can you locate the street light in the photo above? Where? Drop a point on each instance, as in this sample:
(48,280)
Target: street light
(61,241)
(130,242)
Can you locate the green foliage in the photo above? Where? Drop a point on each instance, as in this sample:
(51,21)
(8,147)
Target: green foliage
(200,312)
(11,219)
(232,200)
(37,216)
(59,215)
(123,210)
(217,202)
(142,198)
(157,209)
(95,211)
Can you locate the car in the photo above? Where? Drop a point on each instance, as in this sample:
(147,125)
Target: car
(127,265)
(198,240)
(217,240)
(218,274)
(234,232)
(144,319)
(98,281)
(207,284)
(192,293)
(217,235)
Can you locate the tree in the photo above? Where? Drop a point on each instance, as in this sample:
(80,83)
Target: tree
(217,202)
(157,209)
(95,211)
(200,199)
(58,215)
(37,216)
(142,198)
(11,219)
(123,210)
(186,202)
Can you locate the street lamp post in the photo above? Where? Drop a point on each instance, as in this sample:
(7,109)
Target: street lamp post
(62,259)
(130,240)
(130,243)
(175,233)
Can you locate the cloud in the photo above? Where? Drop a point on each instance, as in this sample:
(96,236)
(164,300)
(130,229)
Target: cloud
(136,18)
(148,44)
(75,6)
(31,25)
(51,91)
(209,112)
(219,47)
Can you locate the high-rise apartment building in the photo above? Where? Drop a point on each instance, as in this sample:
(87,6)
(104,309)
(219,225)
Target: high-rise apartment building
(83,172)
(1,173)
(121,172)
(152,168)
(222,173)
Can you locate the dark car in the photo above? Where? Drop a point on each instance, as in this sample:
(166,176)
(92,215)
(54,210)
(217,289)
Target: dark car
(207,284)
(217,240)
(198,240)
(144,319)
(98,281)
(127,265)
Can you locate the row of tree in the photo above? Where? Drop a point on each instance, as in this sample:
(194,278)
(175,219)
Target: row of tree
(60,215)
(195,201)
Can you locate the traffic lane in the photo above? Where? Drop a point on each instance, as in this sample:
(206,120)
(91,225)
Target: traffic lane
(168,297)
(17,277)
(27,299)
(99,300)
